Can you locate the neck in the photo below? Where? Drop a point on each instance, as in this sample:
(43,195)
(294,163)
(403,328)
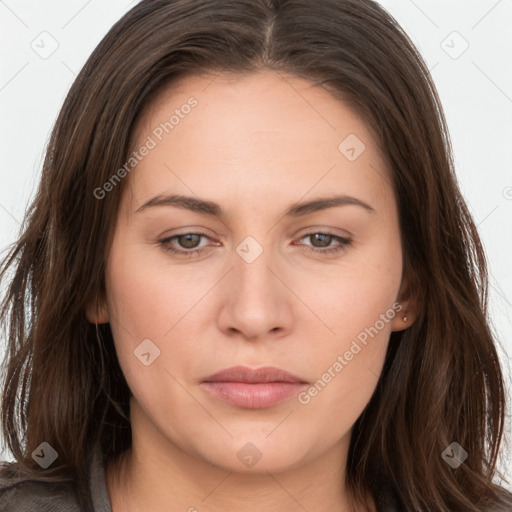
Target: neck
(160,476)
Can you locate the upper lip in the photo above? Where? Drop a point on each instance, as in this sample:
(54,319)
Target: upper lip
(253,375)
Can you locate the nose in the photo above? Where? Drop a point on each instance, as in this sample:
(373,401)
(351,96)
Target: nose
(256,301)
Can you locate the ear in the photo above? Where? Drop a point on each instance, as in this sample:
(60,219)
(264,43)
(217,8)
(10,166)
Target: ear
(97,311)
(408,306)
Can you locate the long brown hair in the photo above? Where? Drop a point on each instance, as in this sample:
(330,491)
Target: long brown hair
(441,380)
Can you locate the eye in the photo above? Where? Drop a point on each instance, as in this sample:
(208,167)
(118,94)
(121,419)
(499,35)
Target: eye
(188,241)
(324,240)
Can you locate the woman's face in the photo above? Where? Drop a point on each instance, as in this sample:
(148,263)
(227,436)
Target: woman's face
(278,277)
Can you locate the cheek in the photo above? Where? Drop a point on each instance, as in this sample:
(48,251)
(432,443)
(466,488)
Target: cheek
(147,297)
(348,365)
(351,296)
(138,304)
(143,303)
(358,303)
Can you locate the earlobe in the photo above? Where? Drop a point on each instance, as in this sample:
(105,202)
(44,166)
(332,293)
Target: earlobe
(403,319)
(97,313)
(407,314)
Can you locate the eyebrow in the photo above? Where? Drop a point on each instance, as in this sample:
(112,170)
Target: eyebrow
(211,208)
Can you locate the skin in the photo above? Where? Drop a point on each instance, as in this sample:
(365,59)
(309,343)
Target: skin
(255,145)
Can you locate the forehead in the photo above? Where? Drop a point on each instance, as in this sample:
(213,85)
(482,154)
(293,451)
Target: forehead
(265,132)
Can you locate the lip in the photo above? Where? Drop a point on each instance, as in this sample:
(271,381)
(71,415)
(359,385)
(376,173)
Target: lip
(253,388)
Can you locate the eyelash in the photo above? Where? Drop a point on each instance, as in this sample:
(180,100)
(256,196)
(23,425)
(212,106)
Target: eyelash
(344,242)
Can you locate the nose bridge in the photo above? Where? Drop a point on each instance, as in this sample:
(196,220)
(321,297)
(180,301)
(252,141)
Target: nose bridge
(256,303)
(252,275)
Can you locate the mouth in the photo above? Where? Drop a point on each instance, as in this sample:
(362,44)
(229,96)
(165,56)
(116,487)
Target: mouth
(253,388)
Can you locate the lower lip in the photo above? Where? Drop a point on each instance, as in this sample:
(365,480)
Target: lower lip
(253,396)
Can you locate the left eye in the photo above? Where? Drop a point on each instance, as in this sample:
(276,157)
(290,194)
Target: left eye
(325,240)
(186,241)
(189,243)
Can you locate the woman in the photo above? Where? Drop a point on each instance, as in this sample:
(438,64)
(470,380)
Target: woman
(249,279)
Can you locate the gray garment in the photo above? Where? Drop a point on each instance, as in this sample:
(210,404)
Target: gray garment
(34,496)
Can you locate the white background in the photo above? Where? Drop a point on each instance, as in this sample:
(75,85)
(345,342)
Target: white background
(475,89)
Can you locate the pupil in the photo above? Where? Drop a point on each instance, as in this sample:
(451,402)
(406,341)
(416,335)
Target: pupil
(322,238)
(189,241)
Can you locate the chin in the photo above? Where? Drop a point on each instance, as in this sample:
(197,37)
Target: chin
(254,454)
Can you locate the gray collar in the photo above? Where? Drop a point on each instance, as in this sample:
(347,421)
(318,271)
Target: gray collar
(98,482)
